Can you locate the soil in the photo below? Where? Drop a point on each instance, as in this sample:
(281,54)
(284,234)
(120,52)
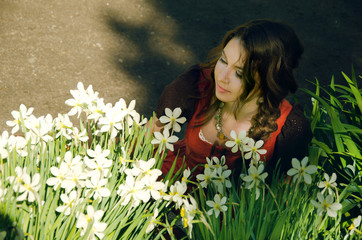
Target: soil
(132,49)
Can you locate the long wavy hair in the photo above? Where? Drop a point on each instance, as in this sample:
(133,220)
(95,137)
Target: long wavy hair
(272,50)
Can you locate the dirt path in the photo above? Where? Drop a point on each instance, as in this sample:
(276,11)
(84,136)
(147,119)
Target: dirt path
(131,49)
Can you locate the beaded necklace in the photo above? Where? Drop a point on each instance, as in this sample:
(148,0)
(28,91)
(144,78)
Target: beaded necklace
(220,134)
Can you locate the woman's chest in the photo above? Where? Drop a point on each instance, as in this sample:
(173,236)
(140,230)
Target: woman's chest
(218,132)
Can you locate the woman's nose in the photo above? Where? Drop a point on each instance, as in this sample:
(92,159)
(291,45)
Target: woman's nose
(225,74)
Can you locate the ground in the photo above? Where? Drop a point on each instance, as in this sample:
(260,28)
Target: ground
(132,49)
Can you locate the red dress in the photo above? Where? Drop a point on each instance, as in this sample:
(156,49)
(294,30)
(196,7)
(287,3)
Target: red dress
(195,150)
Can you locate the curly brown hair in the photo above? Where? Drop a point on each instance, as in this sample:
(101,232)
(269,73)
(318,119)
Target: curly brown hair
(272,50)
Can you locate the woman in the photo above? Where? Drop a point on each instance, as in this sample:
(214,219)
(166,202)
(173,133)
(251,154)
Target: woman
(243,86)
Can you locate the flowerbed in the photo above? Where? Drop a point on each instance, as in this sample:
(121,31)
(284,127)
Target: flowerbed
(103,181)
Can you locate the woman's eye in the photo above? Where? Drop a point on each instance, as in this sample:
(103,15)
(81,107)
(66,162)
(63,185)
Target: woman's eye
(222,60)
(239,74)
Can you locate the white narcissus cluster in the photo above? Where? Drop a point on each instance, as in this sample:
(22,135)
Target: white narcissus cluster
(247,146)
(215,173)
(84,179)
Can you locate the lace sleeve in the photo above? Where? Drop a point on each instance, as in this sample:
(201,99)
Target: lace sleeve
(181,93)
(293,140)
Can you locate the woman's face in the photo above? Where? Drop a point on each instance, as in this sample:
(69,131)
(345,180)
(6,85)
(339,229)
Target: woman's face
(228,72)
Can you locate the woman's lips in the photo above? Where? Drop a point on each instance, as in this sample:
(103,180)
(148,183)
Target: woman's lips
(221,90)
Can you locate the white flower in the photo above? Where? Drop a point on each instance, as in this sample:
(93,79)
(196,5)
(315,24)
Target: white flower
(18,179)
(221,179)
(112,121)
(29,188)
(132,190)
(97,109)
(129,111)
(69,202)
(18,144)
(99,163)
(172,119)
(326,205)
(217,206)
(152,187)
(4,138)
(18,116)
(72,162)
(355,224)
(177,192)
(207,177)
(214,163)
(301,170)
(144,168)
(138,121)
(329,183)
(97,184)
(188,212)
(40,128)
(3,192)
(153,222)
(63,125)
(85,220)
(255,177)
(60,174)
(76,177)
(81,99)
(164,139)
(186,174)
(78,137)
(253,150)
(238,142)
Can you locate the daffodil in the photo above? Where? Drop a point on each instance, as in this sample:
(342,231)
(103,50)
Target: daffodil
(185,175)
(60,174)
(81,99)
(77,136)
(112,121)
(188,212)
(252,149)
(326,205)
(221,179)
(152,187)
(18,179)
(97,186)
(63,125)
(4,138)
(354,227)
(132,190)
(3,192)
(217,206)
(91,220)
(164,139)
(206,178)
(153,222)
(76,178)
(301,171)
(18,144)
(173,119)
(29,188)
(98,161)
(329,183)
(238,142)
(40,128)
(19,116)
(69,202)
(255,177)
(177,193)
(214,163)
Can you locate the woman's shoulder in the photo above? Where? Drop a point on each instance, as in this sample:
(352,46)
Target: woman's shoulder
(294,138)
(296,123)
